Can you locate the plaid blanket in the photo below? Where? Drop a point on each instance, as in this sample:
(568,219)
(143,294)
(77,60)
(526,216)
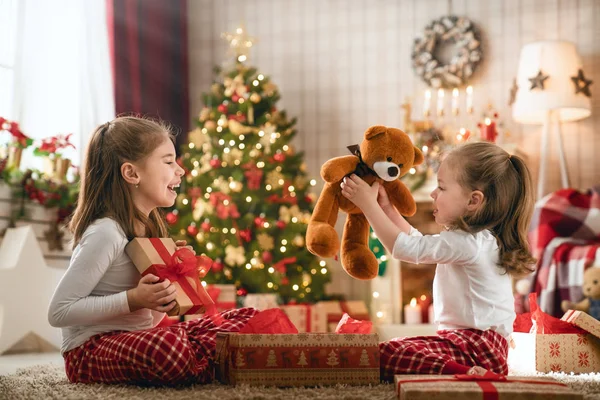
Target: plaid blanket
(564,237)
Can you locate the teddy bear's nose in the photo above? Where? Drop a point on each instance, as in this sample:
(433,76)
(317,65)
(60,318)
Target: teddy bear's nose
(393,171)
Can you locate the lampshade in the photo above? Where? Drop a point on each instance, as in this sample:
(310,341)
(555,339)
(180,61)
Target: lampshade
(559,61)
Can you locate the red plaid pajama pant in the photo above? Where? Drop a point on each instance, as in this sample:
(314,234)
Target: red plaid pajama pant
(429,354)
(181,353)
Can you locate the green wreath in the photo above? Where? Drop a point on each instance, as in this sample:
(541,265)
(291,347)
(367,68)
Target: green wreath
(448,52)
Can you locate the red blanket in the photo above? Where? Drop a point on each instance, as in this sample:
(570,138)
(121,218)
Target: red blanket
(564,237)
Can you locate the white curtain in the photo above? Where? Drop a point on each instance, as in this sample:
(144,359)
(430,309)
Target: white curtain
(63,79)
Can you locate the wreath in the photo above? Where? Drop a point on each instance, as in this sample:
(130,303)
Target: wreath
(448,52)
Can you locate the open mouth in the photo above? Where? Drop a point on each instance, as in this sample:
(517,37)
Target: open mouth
(173,187)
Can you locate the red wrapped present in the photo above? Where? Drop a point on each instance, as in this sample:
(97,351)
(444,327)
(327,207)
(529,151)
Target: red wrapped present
(300,315)
(162,258)
(327,314)
(303,359)
(489,387)
(224,297)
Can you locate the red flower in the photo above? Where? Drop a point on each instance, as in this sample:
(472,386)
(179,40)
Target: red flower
(554,349)
(555,368)
(582,339)
(584,359)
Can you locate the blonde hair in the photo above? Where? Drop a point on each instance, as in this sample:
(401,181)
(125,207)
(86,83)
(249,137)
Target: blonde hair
(103,191)
(508,201)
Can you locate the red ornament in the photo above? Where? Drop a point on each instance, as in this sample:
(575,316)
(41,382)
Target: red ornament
(171,218)
(222,108)
(192,230)
(307,199)
(246,235)
(259,222)
(242,292)
(217,267)
(292,302)
(285,280)
(267,257)
(281,224)
(205,226)
(235,98)
(279,157)
(215,163)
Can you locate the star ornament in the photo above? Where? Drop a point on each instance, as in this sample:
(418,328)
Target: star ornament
(537,82)
(513,92)
(239,42)
(581,84)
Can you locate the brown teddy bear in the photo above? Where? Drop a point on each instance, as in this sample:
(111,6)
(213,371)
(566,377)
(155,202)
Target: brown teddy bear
(591,290)
(384,155)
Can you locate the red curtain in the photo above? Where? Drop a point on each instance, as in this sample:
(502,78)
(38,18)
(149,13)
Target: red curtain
(150,61)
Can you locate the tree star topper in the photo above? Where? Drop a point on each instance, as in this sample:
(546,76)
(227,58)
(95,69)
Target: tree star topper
(240,42)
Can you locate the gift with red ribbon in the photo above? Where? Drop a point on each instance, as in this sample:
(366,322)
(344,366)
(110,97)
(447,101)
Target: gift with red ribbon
(224,296)
(161,257)
(490,386)
(300,315)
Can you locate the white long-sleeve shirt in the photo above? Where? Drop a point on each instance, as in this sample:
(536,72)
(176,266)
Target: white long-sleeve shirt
(469,289)
(91,297)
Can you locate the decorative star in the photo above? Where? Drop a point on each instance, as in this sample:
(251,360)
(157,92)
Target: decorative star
(513,92)
(26,287)
(239,42)
(538,81)
(581,84)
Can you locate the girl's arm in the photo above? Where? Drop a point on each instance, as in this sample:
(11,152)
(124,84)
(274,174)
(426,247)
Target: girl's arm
(72,303)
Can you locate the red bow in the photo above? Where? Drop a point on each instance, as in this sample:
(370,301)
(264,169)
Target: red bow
(280,265)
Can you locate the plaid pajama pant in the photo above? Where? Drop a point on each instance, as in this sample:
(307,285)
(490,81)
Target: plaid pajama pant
(181,353)
(429,354)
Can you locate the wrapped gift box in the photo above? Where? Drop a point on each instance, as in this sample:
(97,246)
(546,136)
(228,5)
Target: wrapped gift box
(300,315)
(224,297)
(466,387)
(156,256)
(303,359)
(325,315)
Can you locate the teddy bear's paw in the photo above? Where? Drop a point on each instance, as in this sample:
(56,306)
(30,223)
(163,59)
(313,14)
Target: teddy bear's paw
(322,239)
(360,263)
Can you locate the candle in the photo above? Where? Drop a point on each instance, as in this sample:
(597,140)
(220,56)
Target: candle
(440,102)
(455,101)
(469,99)
(412,312)
(431,314)
(424,302)
(427,104)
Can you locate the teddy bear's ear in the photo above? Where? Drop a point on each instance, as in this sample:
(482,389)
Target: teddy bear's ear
(418,156)
(374,131)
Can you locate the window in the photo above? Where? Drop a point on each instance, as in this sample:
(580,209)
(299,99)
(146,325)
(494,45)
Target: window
(8,30)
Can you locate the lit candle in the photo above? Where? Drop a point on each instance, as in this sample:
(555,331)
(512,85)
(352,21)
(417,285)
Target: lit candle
(431,314)
(427,104)
(424,303)
(412,312)
(455,101)
(440,102)
(469,99)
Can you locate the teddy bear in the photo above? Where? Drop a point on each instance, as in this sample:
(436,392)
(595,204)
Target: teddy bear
(591,290)
(385,155)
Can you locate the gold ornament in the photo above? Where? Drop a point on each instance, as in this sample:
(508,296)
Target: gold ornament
(273,179)
(269,88)
(235,255)
(255,97)
(210,125)
(202,208)
(265,241)
(198,137)
(298,241)
(204,114)
(235,85)
(238,128)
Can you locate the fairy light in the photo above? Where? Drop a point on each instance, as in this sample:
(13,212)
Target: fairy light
(232,143)
(260,164)
(383,258)
(284,242)
(248,199)
(194,172)
(219,129)
(313,271)
(291,188)
(313,182)
(232,230)
(221,142)
(210,246)
(241,100)
(253,261)
(209,189)
(204,130)
(270,285)
(261,133)
(294,220)
(266,224)
(223,164)
(412,171)
(248,266)
(242,137)
(375,295)
(282,249)
(192,145)
(295,287)
(225,230)
(236,162)
(281,181)
(268,187)
(322,263)
(285,147)
(323,271)
(226,150)
(185,202)
(278,168)
(203,283)
(260,77)
(258,146)
(225,202)
(242,146)
(255,82)
(196,163)
(379,314)
(271,270)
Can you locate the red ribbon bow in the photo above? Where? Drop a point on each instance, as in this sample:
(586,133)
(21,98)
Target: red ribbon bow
(280,266)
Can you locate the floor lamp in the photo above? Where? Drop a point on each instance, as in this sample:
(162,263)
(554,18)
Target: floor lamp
(550,88)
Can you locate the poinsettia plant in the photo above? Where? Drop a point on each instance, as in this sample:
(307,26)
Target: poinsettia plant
(53,145)
(19,138)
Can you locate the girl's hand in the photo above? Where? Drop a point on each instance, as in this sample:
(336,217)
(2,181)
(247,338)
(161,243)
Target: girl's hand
(182,244)
(150,293)
(359,192)
(382,198)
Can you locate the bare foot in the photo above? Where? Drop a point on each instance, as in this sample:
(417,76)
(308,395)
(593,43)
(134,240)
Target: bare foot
(477,371)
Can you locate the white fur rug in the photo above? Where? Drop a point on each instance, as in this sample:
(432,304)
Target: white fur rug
(49,382)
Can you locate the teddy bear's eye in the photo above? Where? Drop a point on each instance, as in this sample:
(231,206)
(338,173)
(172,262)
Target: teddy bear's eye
(389,159)
(400,165)
(595,281)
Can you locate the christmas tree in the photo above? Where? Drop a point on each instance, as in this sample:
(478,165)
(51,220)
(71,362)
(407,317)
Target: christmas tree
(244,201)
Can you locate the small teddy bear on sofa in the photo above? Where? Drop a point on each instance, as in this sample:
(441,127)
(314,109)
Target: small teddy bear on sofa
(591,290)
(385,155)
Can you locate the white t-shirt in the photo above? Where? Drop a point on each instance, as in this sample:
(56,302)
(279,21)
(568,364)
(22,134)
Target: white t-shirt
(91,297)
(469,289)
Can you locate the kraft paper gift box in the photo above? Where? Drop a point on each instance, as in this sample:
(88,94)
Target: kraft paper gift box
(326,314)
(161,257)
(302,359)
(224,297)
(467,387)
(300,315)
